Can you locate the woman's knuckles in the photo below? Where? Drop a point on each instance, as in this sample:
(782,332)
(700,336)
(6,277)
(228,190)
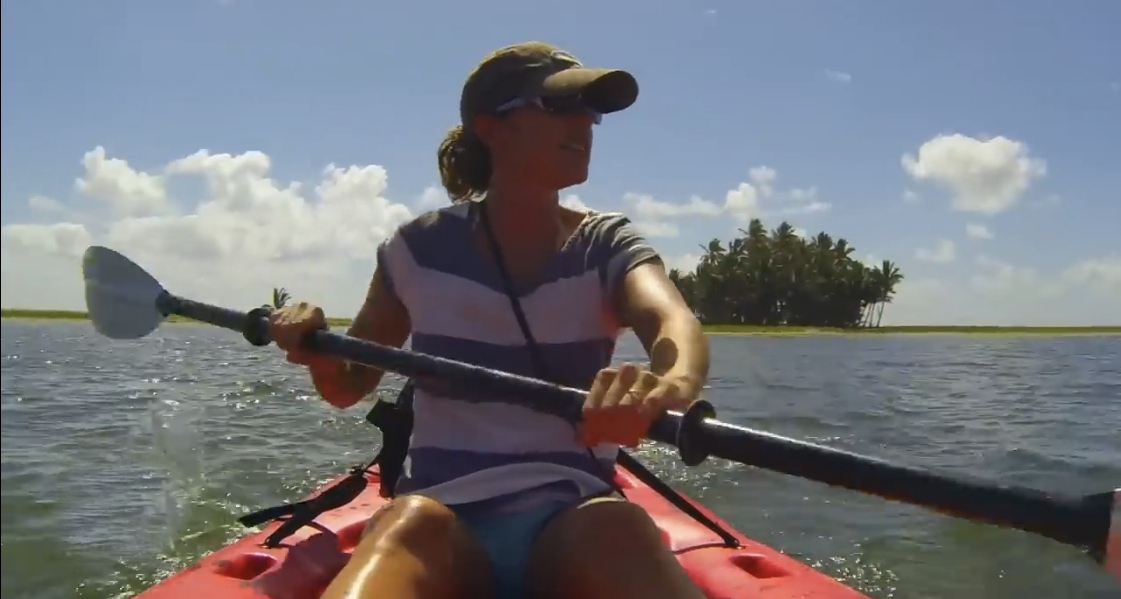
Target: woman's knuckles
(622,427)
(629,374)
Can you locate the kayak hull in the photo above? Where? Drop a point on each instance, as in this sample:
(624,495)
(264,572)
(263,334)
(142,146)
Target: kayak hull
(306,562)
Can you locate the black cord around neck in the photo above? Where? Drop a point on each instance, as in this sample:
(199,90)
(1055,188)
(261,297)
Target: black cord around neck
(626,460)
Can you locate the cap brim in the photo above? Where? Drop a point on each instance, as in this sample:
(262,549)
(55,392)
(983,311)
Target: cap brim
(605,90)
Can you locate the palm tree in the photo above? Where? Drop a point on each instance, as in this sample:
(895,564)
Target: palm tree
(782,279)
(885,277)
(280,297)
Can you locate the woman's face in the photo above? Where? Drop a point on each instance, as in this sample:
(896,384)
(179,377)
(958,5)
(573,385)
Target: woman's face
(551,147)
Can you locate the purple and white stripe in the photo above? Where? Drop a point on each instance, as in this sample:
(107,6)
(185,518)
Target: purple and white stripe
(463,452)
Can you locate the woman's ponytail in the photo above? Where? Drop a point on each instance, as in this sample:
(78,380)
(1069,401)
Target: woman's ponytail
(464,165)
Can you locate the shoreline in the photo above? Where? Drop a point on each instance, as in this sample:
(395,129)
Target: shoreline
(722,330)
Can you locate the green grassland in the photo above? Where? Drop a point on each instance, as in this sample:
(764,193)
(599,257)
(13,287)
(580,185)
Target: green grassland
(28,314)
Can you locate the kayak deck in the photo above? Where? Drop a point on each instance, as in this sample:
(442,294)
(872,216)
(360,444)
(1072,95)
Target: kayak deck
(306,562)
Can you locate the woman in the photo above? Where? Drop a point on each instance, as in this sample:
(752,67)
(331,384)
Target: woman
(497,500)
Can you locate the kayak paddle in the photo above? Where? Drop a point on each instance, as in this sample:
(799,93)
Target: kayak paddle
(125,302)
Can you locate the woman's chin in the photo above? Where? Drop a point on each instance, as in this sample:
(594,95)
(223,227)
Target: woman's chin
(572,177)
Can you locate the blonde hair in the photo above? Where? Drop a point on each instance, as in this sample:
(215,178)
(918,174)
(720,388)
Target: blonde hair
(465,165)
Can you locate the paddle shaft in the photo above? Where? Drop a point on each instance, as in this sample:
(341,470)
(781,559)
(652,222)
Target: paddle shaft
(1082,522)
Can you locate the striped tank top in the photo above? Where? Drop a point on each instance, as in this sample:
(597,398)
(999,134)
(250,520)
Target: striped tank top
(463,452)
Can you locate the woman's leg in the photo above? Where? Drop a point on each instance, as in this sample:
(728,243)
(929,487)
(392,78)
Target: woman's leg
(415,548)
(605,548)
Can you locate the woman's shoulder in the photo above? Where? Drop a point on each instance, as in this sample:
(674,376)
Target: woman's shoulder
(434,222)
(428,242)
(608,228)
(615,244)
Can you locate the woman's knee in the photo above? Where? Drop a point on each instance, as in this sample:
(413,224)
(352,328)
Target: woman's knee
(414,547)
(412,520)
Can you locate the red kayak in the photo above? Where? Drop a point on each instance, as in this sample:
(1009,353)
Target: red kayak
(305,562)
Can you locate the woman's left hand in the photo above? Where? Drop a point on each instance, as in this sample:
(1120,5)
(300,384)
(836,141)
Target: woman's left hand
(624,401)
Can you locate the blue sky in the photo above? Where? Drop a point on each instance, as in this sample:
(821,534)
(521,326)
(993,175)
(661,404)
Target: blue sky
(830,96)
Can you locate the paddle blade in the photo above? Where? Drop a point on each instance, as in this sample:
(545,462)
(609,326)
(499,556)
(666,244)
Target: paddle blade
(121,297)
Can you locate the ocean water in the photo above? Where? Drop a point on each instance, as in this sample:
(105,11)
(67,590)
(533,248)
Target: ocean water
(126,461)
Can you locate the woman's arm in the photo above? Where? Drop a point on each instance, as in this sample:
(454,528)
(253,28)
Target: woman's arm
(382,319)
(667,328)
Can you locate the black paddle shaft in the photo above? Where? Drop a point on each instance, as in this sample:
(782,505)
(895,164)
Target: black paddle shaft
(1082,522)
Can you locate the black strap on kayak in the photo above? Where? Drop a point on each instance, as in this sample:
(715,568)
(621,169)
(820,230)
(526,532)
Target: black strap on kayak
(395,420)
(302,513)
(624,459)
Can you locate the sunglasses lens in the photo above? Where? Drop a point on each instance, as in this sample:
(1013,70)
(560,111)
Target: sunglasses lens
(554,104)
(569,105)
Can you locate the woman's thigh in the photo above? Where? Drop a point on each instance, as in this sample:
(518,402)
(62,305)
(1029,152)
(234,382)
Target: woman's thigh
(414,548)
(605,547)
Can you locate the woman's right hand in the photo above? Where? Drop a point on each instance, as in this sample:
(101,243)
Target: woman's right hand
(289,327)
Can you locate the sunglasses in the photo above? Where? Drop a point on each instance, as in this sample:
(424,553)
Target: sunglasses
(558,105)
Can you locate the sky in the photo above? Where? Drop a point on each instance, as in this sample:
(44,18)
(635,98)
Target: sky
(233,146)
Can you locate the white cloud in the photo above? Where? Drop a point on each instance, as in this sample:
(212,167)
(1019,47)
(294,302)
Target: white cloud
(649,208)
(802,201)
(651,214)
(763,177)
(743,202)
(984,176)
(254,232)
(999,278)
(573,201)
(755,198)
(44,205)
(838,76)
(685,262)
(126,191)
(657,229)
(997,292)
(249,233)
(61,239)
(942,254)
(1099,273)
(910,197)
(431,198)
(978,231)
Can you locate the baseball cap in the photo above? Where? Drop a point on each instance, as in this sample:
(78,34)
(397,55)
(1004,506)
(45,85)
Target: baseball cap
(538,69)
